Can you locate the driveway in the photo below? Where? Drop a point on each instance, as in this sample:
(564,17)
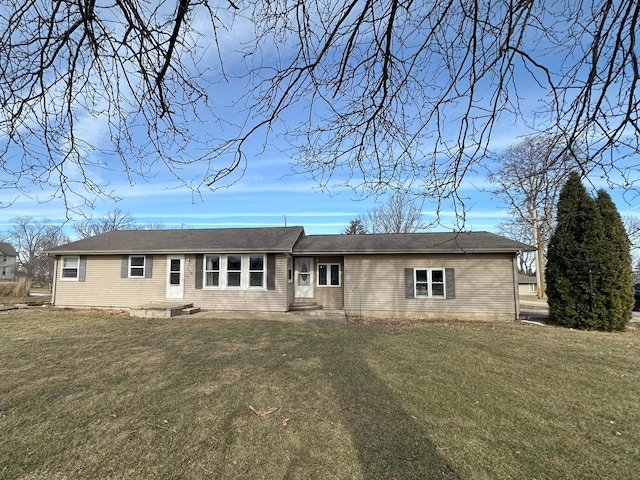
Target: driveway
(538,310)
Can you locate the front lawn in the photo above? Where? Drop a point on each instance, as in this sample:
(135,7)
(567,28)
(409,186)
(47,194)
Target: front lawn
(93,395)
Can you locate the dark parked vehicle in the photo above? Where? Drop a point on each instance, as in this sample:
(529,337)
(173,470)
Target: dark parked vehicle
(636,307)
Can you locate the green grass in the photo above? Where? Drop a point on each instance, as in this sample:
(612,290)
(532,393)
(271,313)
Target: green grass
(93,395)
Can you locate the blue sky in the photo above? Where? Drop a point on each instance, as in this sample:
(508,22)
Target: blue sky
(269,194)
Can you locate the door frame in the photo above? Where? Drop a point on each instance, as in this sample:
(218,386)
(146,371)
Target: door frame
(173,291)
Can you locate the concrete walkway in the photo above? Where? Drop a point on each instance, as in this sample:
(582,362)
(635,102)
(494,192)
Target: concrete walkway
(320,316)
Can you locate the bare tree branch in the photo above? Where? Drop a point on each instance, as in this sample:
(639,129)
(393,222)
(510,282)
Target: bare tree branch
(375,94)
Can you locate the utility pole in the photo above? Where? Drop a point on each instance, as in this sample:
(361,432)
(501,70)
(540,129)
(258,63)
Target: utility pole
(538,253)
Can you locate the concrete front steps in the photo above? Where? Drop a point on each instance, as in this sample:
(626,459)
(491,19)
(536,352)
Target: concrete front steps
(163,310)
(298,306)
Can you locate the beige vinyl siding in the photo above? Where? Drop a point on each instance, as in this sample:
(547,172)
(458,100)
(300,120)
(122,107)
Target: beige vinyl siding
(236,299)
(524,289)
(103,286)
(484,286)
(330,297)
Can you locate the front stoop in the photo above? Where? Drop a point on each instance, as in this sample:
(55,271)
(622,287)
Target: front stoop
(163,310)
(304,307)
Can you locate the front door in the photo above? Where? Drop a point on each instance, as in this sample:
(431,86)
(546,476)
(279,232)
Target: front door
(175,277)
(304,277)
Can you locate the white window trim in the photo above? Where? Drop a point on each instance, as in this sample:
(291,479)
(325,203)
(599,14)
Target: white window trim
(245,272)
(143,266)
(62,269)
(205,271)
(429,283)
(329,265)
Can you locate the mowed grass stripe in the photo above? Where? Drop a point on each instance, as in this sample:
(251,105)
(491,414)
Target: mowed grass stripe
(86,394)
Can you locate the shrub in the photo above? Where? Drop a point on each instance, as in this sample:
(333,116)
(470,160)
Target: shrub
(21,288)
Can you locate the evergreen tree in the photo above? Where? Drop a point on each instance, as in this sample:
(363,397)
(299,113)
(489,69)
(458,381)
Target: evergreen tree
(569,268)
(588,263)
(355,227)
(617,284)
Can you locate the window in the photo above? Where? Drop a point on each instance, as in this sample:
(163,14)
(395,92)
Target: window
(4,271)
(234,270)
(533,288)
(212,271)
(329,274)
(289,269)
(136,266)
(256,271)
(70,268)
(429,282)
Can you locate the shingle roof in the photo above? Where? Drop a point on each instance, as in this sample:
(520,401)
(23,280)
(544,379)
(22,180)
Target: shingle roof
(430,242)
(7,249)
(285,239)
(236,240)
(527,278)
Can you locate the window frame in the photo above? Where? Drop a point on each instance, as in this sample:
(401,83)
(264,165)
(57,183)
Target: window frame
(142,267)
(63,268)
(244,271)
(206,271)
(328,275)
(262,271)
(430,283)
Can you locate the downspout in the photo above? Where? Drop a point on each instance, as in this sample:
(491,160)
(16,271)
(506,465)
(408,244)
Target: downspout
(54,283)
(516,296)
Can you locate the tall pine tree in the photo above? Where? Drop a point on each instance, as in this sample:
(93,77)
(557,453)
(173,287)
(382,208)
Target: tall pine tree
(617,287)
(587,281)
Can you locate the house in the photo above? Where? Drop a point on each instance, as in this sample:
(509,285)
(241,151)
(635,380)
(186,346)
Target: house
(8,262)
(527,285)
(427,275)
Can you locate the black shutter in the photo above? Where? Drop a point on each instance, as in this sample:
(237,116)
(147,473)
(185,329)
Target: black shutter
(148,266)
(451,282)
(408,283)
(199,270)
(271,271)
(82,268)
(124,266)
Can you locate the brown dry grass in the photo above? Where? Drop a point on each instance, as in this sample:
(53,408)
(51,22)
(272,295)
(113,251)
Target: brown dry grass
(21,288)
(88,394)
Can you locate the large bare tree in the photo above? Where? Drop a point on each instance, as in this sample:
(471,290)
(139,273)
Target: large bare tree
(32,238)
(113,220)
(528,176)
(632,225)
(376,93)
(401,214)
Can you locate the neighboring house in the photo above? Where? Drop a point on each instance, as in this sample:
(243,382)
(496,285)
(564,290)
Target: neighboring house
(8,262)
(426,275)
(527,285)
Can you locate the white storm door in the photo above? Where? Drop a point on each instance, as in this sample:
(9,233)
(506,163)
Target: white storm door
(175,277)
(304,277)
